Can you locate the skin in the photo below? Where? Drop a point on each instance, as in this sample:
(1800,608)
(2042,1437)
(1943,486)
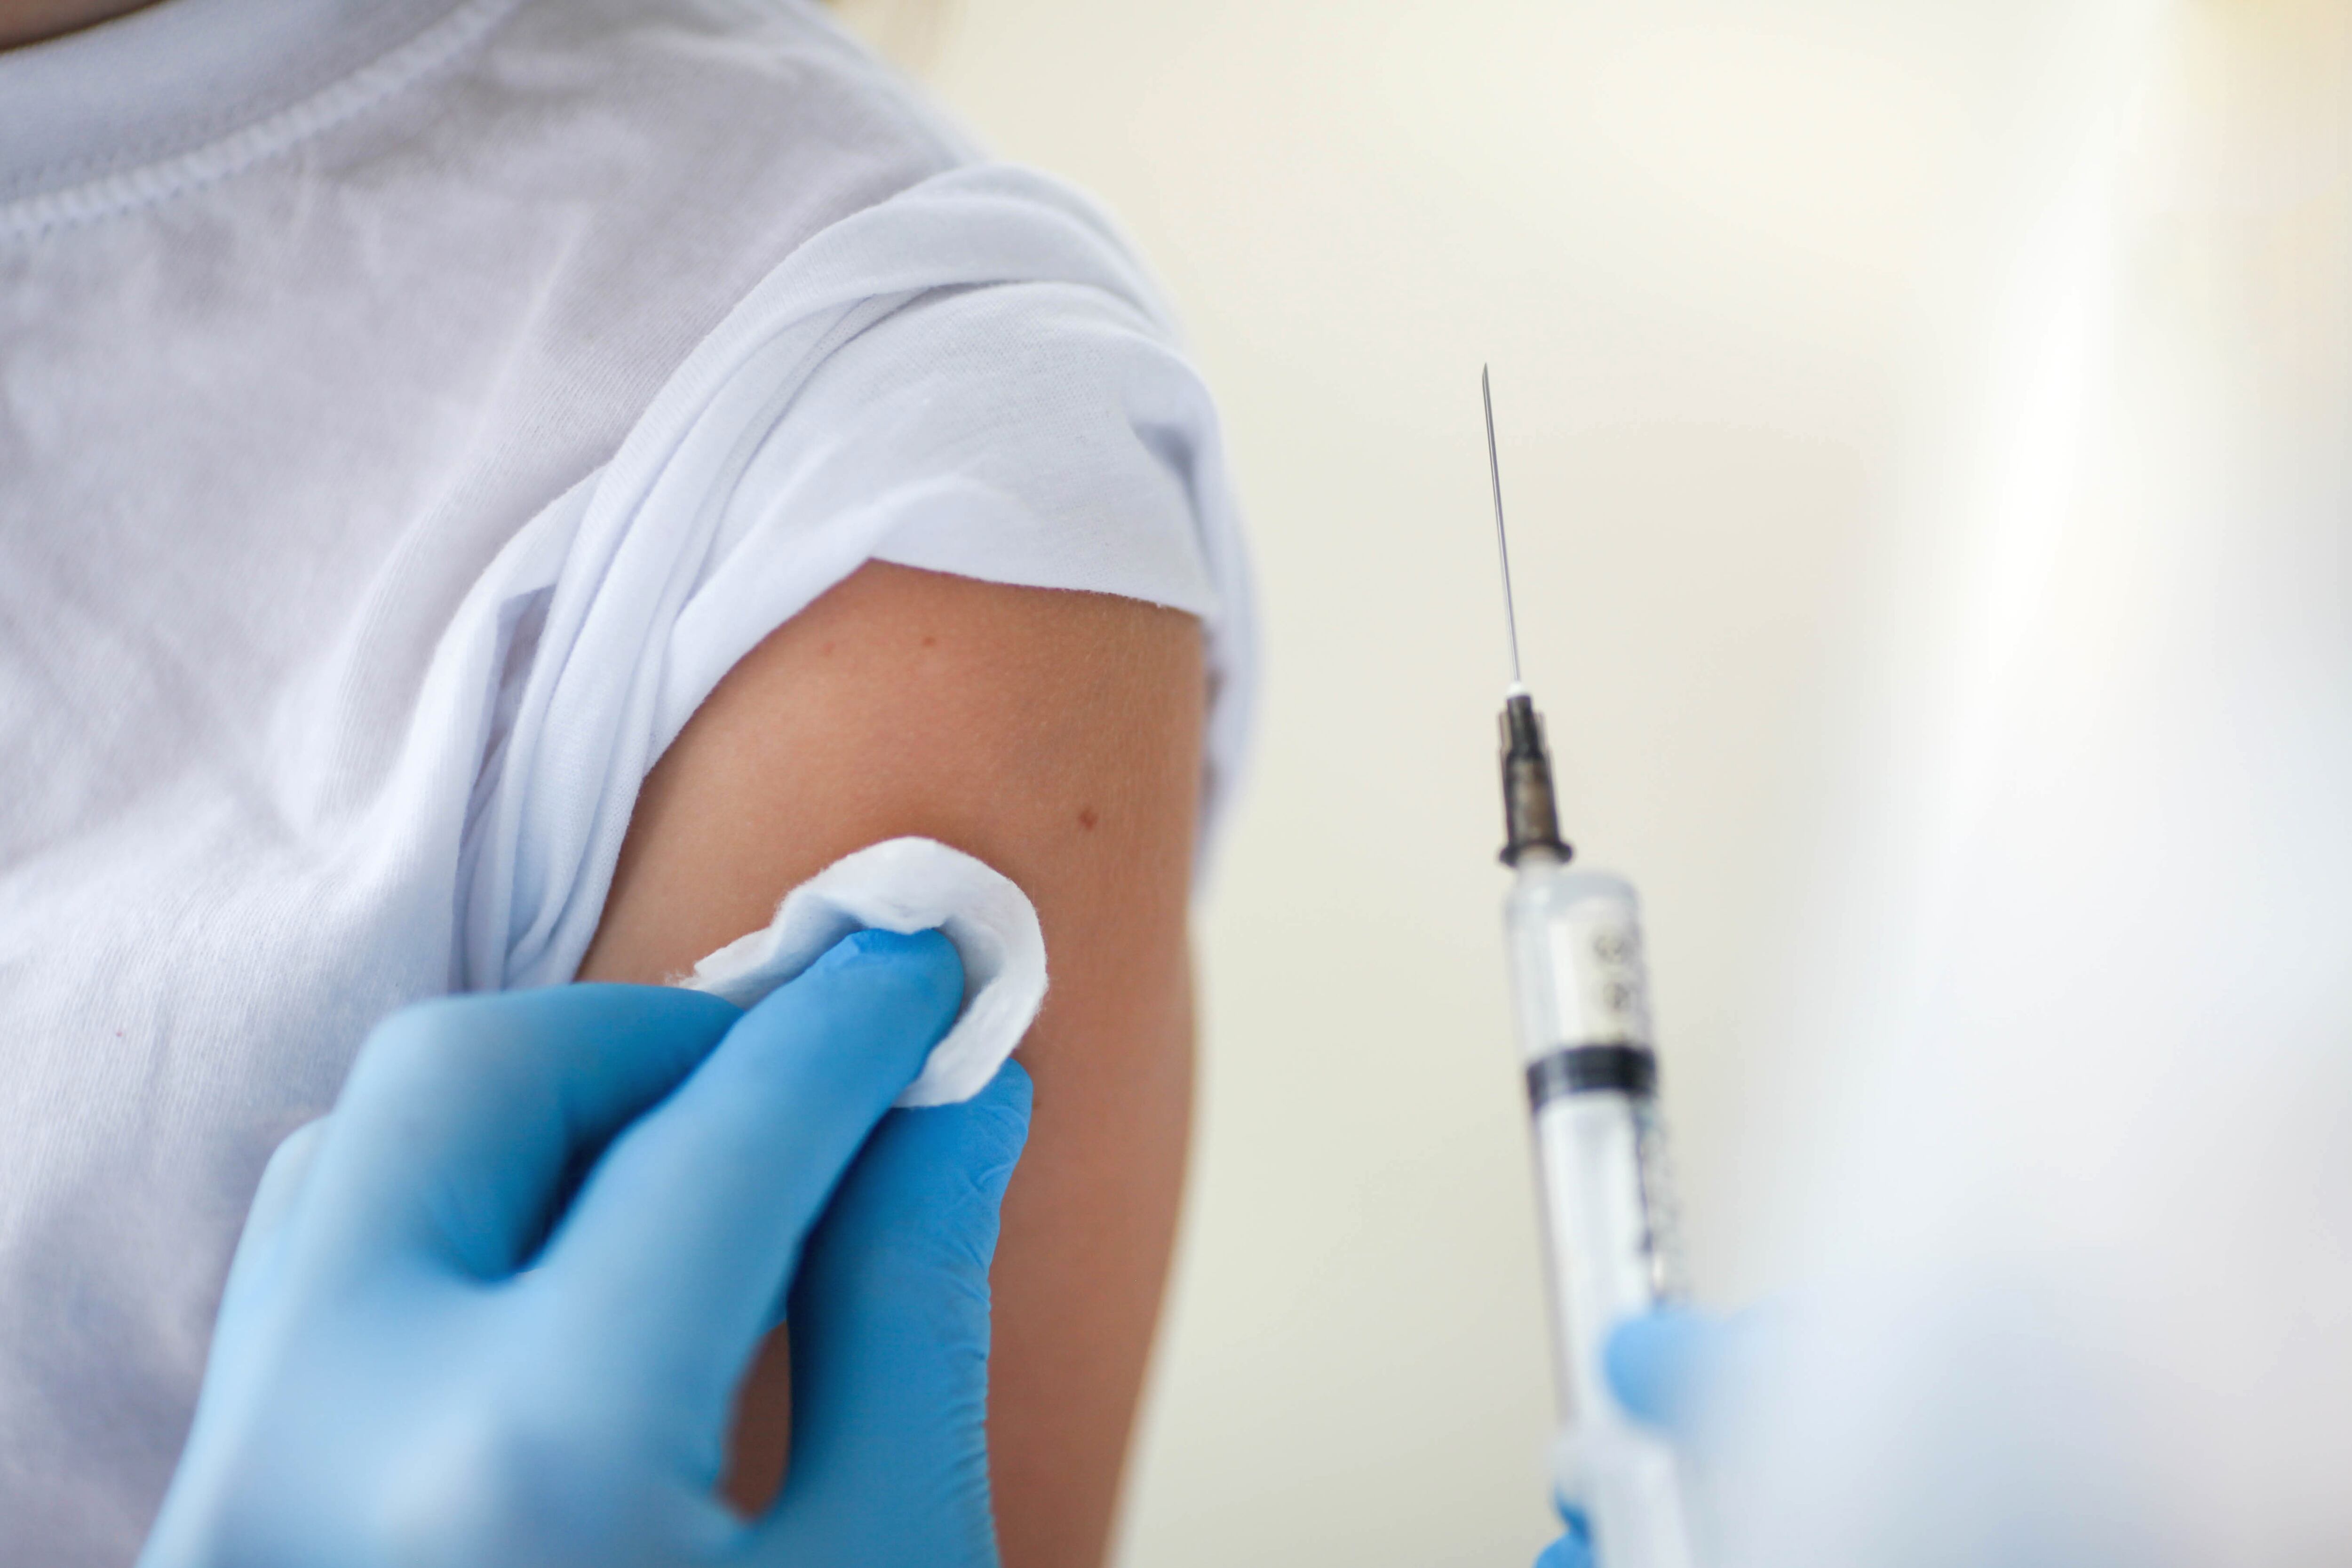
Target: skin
(30,21)
(1056,736)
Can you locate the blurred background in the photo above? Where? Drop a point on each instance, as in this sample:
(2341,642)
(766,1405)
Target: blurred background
(1720,255)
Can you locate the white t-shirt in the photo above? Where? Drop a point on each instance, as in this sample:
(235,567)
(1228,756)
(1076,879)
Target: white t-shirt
(409,409)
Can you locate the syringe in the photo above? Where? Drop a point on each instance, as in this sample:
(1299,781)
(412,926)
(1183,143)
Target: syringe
(1581,996)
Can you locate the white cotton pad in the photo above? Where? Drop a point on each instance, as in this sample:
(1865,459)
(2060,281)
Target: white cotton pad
(907,885)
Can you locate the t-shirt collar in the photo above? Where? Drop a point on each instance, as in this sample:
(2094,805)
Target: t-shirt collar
(174,76)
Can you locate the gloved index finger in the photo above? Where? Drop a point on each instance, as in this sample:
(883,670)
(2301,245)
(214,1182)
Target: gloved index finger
(676,1253)
(464,1117)
(272,1208)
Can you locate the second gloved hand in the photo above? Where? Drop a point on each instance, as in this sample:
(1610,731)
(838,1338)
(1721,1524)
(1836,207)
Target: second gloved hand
(1666,1370)
(431,1354)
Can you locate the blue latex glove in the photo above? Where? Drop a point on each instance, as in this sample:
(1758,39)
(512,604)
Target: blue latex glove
(1662,1369)
(427,1357)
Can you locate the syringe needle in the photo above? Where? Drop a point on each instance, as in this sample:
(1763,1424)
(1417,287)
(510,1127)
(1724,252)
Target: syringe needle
(1530,819)
(1502,540)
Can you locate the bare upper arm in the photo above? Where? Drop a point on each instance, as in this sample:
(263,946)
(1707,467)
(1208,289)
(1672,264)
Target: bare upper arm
(1056,736)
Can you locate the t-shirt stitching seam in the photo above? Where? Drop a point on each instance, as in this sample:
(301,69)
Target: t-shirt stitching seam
(352,94)
(89,167)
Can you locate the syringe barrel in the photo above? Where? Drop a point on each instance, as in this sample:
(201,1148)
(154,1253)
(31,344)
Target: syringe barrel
(1580,990)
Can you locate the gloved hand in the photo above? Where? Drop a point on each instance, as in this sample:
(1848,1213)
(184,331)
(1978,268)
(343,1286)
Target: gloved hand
(1664,1369)
(431,1353)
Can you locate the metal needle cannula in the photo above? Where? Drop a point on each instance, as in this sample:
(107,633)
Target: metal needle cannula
(1501,541)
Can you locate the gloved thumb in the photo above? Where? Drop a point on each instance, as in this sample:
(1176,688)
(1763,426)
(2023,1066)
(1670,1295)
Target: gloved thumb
(1663,1367)
(889,1318)
(1686,1373)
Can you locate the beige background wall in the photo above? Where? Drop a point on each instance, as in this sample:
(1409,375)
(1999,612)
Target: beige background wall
(1693,238)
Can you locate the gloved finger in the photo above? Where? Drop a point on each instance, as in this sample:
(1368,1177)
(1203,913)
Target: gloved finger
(266,1216)
(464,1118)
(890,1336)
(674,1255)
(1664,1367)
(1572,1549)
(261,1249)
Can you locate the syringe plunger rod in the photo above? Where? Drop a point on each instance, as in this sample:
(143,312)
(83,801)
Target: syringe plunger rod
(1531,817)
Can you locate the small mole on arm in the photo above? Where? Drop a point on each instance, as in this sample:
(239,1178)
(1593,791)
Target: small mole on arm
(1086,818)
(931,642)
